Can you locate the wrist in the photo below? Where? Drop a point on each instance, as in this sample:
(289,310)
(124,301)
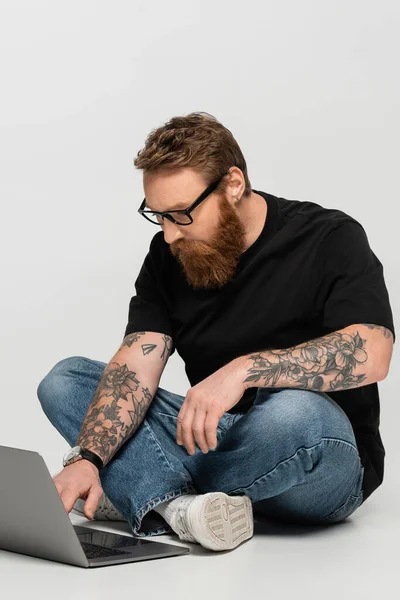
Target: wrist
(90,465)
(79,452)
(86,463)
(240,369)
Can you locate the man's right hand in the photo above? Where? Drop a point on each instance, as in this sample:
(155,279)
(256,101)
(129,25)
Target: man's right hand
(79,480)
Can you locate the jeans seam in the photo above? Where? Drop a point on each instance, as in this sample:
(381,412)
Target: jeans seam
(164,414)
(259,479)
(155,440)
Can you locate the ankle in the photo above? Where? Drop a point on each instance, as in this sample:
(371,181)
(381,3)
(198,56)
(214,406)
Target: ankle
(169,509)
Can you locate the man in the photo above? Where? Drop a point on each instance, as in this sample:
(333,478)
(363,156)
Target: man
(280,312)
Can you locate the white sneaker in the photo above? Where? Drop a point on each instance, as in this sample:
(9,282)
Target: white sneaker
(104,511)
(215,520)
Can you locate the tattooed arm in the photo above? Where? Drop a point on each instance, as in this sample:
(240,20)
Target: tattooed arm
(124,393)
(351,357)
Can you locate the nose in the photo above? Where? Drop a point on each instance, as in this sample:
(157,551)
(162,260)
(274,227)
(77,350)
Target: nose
(171,231)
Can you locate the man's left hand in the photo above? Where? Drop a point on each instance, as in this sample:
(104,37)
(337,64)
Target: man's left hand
(204,405)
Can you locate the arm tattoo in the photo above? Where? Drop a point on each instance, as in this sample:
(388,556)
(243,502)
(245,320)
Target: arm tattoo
(167,347)
(118,407)
(328,360)
(386,332)
(116,411)
(147,348)
(130,338)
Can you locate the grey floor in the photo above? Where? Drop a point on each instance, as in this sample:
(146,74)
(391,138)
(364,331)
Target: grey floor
(358,558)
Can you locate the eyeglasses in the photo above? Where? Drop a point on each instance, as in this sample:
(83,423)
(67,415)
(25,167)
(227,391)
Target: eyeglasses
(184,217)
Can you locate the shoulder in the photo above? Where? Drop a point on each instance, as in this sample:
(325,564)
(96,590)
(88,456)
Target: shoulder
(344,235)
(322,226)
(329,218)
(345,248)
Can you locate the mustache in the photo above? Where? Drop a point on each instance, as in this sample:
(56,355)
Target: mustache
(195,245)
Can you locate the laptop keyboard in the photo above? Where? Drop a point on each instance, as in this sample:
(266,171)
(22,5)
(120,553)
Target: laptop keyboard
(94,551)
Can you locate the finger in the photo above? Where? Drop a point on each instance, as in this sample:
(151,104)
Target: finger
(187,433)
(210,429)
(179,438)
(92,501)
(181,414)
(69,497)
(198,430)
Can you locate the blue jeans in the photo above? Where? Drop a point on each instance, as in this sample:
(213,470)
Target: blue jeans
(293,453)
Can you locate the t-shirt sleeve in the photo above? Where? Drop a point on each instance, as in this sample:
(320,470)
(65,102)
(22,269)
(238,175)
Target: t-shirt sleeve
(351,280)
(147,309)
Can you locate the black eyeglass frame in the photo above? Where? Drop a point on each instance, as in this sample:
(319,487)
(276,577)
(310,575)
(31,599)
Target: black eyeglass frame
(209,189)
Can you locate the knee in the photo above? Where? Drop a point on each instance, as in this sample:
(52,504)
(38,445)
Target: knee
(314,415)
(294,411)
(51,388)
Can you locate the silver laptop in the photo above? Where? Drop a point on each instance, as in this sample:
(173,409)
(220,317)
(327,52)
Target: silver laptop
(33,520)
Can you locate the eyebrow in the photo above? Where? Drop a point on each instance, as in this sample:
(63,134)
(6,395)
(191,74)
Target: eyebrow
(178,206)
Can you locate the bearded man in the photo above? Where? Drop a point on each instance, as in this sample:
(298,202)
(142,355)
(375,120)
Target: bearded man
(280,312)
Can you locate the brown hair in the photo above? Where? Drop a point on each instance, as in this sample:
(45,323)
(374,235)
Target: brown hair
(197,141)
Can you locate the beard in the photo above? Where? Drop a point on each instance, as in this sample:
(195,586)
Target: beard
(213,264)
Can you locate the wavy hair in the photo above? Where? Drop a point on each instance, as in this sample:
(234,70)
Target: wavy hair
(196,141)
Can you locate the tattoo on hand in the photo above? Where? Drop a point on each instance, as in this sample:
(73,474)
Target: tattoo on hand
(329,359)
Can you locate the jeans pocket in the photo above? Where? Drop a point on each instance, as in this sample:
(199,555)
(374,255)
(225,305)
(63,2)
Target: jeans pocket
(350,505)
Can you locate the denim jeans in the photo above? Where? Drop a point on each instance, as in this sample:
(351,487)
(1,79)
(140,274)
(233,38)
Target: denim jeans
(293,452)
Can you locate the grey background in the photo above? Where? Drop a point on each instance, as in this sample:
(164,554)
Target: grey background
(311,92)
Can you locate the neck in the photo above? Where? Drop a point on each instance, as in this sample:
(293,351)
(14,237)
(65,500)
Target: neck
(252,213)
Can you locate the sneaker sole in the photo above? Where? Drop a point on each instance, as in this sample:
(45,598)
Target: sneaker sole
(223,522)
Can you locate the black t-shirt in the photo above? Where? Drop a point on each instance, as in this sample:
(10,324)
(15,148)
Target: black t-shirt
(310,272)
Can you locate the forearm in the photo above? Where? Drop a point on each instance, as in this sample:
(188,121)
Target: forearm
(351,357)
(124,393)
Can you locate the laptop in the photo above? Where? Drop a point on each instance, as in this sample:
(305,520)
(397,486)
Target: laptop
(33,521)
